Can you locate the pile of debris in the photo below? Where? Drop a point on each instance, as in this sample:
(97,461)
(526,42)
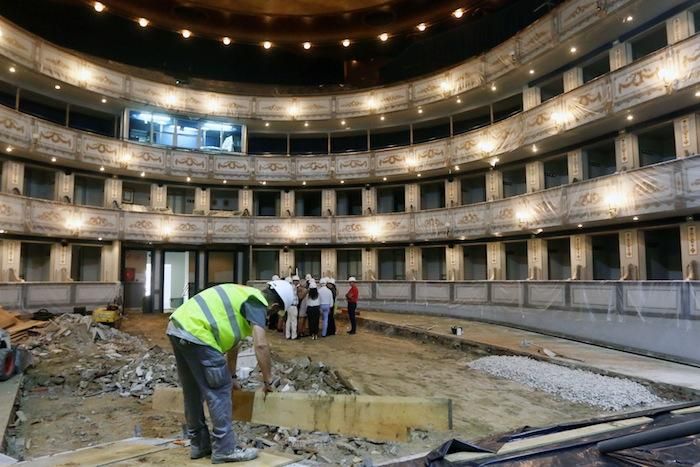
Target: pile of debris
(93,358)
(18,329)
(316,446)
(303,375)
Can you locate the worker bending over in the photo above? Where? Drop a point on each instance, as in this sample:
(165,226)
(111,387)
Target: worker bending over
(202,330)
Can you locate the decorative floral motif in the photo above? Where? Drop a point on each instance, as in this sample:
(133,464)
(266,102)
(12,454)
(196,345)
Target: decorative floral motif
(638,78)
(230,228)
(233,165)
(190,162)
(50,216)
(186,227)
(143,225)
(98,221)
(354,164)
(10,124)
(588,199)
(55,138)
(469,218)
(101,148)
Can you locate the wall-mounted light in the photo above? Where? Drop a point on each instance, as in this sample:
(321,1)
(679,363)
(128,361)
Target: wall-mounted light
(99,7)
(614,202)
(458,13)
(486,146)
(384,37)
(226,40)
(267,45)
(143,22)
(306,45)
(524,217)
(74,224)
(13,69)
(422,27)
(346,42)
(186,33)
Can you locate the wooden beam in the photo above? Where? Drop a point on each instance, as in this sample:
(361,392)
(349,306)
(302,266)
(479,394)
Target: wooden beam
(387,418)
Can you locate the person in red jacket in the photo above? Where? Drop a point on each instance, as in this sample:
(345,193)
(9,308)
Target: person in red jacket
(352,296)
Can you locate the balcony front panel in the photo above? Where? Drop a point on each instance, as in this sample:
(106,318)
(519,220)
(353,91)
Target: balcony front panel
(571,18)
(657,75)
(652,191)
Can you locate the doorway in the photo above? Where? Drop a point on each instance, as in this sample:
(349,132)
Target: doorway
(137,277)
(179,278)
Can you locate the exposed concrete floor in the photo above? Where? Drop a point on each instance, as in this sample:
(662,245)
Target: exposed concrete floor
(623,363)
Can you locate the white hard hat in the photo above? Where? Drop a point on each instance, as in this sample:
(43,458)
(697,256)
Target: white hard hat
(288,279)
(275,277)
(312,284)
(323,281)
(284,290)
(295,277)
(352,279)
(331,280)
(308,277)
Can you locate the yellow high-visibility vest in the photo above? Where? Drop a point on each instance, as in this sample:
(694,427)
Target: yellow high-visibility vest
(214,315)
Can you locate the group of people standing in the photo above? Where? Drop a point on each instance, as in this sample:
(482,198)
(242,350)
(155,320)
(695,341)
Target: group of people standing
(312,312)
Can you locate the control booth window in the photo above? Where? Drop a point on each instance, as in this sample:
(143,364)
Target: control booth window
(185,132)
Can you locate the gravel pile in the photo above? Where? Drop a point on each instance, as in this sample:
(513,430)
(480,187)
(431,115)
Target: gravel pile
(578,386)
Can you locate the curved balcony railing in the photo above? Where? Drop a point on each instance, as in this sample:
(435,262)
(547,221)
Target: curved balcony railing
(653,191)
(663,73)
(564,23)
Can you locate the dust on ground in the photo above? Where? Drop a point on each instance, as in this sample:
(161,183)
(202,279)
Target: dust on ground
(381,364)
(61,414)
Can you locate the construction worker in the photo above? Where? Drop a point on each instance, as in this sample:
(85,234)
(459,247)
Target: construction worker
(352,296)
(202,330)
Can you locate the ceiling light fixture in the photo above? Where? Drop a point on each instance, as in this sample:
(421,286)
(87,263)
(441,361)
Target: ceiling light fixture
(628,19)
(12,69)
(267,44)
(382,118)
(635,218)
(99,239)
(346,42)
(459,100)
(99,7)
(573,49)
(143,174)
(384,179)
(53,159)
(226,40)
(383,37)
(630,117)
(188,179)
(580,226)
(342,122)
(457,168)
(303,183)
(532,72)
(697,93)
(186,33)
(57,87)
(418,175)
(9,149)
(225,182)
(420,110)
(306,124)
(102,168)
(493,87)
(342,182)
(307,45)
(143,22)
(264,182)
(267,123)
(534,148)
(422,27)
(458,13)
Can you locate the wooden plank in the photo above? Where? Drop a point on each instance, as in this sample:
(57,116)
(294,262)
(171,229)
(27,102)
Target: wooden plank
(387,418)
(103,454)
(687,410)
(181,456)
(25,325)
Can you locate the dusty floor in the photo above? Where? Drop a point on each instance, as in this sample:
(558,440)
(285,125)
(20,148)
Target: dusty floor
(381,364)
(376,363)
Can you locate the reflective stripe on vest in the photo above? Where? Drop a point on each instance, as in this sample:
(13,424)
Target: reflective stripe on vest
(229,312)
(214,315)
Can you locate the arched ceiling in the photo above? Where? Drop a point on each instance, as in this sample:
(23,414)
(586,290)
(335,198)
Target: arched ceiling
(328,66)
(296,20)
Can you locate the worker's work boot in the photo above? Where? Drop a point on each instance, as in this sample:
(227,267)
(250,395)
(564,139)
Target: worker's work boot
(237,455)
(200,445)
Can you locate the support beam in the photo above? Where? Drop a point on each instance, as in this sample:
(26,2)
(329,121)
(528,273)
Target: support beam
(388,418)
(369,265)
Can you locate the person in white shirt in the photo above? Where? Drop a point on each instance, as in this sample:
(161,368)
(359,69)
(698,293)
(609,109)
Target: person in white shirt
(293,311)
(326,297)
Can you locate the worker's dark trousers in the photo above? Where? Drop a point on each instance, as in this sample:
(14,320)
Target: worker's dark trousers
(352,307)
(204,376)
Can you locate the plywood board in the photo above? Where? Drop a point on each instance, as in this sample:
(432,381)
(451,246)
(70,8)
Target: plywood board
(144,452)
(386,418)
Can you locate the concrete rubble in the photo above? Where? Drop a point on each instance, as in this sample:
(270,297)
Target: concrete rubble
(93,359)
(574,385)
